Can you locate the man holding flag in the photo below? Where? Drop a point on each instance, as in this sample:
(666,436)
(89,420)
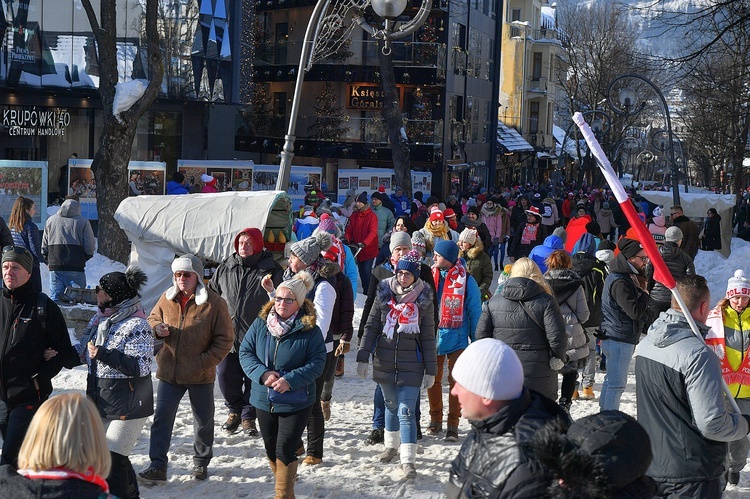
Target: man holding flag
(680,400)
(625,316)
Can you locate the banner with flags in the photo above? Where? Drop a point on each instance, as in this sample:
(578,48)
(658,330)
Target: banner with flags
(661,272)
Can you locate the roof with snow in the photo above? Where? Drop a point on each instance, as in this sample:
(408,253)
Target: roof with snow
(510,140)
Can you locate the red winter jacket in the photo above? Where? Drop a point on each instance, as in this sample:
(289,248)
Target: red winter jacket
(363,228)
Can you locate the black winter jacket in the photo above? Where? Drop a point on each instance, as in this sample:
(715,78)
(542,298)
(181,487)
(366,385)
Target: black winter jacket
(504,318)
(342,318)
(517,249)
(712,234)
(690,241)
(385,271)
(404,358)
(593,272)
(23,343)
(625,307)
(679,264)
(237,280)
(495,460)
(19,487)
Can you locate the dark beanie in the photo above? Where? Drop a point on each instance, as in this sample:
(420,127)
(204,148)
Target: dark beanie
(431,200)
(20,255)
(447,249)
(362,198)
(474,210)
(121,286)
(629,247)
(593,228)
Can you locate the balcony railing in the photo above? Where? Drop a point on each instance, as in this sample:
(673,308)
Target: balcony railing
(351,129)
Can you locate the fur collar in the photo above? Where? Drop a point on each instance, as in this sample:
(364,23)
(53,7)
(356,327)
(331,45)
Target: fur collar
(201,293)
(308,314)
(475,250)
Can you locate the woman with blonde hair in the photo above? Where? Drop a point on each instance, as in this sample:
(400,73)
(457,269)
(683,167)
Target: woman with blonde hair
(25,233)
(527,318)
(64,453)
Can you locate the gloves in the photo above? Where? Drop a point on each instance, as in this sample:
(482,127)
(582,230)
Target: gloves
(495,241)
(556,364)
(363,369)
(427,381)
(343,348)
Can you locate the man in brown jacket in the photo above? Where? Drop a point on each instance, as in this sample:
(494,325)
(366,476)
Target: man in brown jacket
(197,331)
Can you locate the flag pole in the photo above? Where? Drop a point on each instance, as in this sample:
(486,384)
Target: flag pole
(661,272)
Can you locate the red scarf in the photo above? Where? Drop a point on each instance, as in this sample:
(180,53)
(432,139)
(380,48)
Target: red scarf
(452,300)
(63,474)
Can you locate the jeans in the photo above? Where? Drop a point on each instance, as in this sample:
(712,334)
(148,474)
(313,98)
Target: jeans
(316,425)
(235,386)
(435,393)
(58,279)
(378,410)
(400,406)
(495,250)
(168,398)
(619,355)
(14,422)
(589,370)
(282,432)
(365,272)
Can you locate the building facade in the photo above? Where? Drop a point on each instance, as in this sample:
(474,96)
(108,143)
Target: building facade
(531,86)
(444,75)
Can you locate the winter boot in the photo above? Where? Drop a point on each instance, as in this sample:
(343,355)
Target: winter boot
(565,404)
(576,395)
(408,453)
(588,393)
(122,480)
(272,464)
(285,474)
(391,440)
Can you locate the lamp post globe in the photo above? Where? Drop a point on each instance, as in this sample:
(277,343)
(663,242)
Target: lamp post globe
(627,97)
(388,9)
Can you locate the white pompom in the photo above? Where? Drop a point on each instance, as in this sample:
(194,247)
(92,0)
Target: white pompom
(739,273)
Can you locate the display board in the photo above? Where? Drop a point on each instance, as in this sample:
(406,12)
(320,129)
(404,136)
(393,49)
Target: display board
(231,175)
(370,179)
(27,179)
(265,177)
(81,181)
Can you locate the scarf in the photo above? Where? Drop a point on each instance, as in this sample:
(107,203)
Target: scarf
(441,232)
(716,340)
(63,474)
(404,312)
(123,310)
(278,326)
(451,305)
(529,233)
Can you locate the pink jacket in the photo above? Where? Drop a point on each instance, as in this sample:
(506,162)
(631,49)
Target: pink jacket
(498,223)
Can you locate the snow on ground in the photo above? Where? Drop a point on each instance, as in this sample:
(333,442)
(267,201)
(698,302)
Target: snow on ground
(239,467)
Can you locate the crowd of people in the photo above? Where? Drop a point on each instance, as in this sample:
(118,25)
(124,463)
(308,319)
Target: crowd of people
(517,351)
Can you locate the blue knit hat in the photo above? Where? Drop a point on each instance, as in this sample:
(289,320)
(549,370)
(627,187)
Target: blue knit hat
(410,262)
(448,250)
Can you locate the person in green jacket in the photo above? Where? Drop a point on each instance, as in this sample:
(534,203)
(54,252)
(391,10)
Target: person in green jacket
(478,262)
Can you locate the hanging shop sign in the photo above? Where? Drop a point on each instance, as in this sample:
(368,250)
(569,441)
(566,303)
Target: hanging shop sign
(45,121)
(368,97)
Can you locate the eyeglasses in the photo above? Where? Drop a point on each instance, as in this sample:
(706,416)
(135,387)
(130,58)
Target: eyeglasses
(403,273)
(186,275)
(644,259)
(287,301)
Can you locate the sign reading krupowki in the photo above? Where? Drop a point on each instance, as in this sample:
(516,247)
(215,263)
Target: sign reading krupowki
(368,97)
(32,121)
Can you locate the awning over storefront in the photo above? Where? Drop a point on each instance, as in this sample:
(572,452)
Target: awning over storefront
(510,140)
(570,144)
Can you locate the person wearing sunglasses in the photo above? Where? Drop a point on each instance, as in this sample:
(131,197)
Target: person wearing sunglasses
(627,313)
(25,377)
(284,353)
(197,331)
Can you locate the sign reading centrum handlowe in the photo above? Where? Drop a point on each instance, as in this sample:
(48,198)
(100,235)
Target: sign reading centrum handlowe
(45,121)
(368,97)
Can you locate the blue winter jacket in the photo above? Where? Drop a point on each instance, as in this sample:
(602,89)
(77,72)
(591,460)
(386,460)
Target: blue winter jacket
(301,352)
(351,270)
(540,253)
(401,203)
(450,340)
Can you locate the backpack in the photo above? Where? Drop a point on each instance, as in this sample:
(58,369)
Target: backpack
(547,210)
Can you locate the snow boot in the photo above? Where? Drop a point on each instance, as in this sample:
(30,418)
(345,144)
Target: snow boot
(285,474)
(408,454)
(588,393)
(122,480)
(391,440)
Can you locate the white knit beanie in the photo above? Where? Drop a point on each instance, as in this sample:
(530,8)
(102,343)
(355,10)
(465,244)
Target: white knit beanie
(468,235)
(189,263)
(300,284)
(491,369)
(738,285)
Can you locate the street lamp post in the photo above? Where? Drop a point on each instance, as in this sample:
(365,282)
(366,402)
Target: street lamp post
(629,106)
(321,30)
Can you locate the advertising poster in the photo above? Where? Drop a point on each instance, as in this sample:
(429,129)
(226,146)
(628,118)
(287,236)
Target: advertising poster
(148,178)
(27,179)
(265,176)
(229,175)
(370,179)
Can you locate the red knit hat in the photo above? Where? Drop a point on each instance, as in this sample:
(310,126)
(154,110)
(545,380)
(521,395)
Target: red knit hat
(437,215)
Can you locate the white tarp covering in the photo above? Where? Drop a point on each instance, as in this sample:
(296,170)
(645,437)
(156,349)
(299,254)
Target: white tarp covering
(160,227)
(696,204)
